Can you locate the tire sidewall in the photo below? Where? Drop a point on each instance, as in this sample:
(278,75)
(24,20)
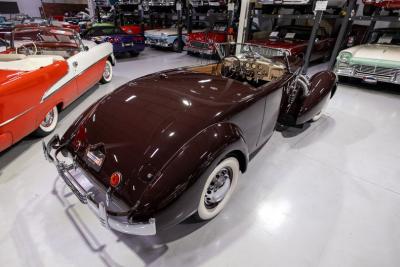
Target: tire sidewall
(104,79)
(175,45)
(203,213)
(43,131)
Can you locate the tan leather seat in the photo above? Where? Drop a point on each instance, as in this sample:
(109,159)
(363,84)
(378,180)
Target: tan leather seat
(28,63)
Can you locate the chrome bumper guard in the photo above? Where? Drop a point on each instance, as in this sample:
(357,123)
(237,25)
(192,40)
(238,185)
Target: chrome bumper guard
(108,220)
(200,50)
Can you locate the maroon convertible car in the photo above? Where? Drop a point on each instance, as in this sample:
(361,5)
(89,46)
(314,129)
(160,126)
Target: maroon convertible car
(172,144)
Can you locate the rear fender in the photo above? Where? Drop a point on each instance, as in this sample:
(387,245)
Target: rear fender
(309,100)
(175,193)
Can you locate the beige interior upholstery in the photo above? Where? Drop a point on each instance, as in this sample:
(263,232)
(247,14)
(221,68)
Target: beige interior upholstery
(11,57)
(213,69)
(19,62)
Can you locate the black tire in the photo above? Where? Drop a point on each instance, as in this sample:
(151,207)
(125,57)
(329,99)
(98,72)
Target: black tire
(108,73)
(176,47)
(212,200)
(48,124)
(134,54)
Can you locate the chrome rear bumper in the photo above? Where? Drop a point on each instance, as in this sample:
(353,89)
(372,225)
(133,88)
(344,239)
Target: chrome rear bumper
(94,195)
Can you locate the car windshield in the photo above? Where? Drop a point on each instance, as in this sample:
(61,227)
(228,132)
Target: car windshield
(59,37)
(104,31)
(382,37)
(34,21)
(248,50)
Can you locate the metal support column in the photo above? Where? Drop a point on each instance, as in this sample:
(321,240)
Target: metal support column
(180,25)
(311,41)
(243,20)
(189,17)
(342,33)
(141,16)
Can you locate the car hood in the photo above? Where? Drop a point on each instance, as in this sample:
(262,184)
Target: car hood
(280,43)
(145,122)
(375,53)
(206,36)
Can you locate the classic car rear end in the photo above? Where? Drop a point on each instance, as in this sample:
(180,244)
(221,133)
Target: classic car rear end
(122,41)
(171,144)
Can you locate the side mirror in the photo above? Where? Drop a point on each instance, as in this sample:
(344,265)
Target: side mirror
(86,48)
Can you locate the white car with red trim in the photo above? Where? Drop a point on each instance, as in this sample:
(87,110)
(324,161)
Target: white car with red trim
(45,71)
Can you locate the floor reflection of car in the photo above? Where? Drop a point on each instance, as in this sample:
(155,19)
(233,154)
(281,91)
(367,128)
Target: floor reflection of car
(294,39)
(376,61)
(173,144)
(47,72)
(122,41)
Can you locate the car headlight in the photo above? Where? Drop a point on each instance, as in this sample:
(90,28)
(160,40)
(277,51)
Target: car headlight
(345,57)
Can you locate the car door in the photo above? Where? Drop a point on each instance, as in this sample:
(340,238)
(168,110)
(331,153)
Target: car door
(88,66)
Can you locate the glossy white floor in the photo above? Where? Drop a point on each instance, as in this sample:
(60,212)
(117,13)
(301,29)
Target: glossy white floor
(327,195)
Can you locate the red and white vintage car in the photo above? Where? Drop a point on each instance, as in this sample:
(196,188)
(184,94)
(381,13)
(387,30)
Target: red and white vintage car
(45,71)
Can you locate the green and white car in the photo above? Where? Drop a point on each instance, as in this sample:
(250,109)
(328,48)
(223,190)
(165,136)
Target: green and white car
(376,61)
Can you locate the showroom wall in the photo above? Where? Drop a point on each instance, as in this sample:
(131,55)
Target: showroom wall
(30,7)
(52,7)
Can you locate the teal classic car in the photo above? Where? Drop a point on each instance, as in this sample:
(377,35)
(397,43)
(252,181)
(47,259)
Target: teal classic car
(376,61)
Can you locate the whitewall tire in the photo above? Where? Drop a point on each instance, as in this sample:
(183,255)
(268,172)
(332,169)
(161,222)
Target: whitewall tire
(49,123)
(107,73)
(319,115)
(218,188)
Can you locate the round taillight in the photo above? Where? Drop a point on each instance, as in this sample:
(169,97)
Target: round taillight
(115,179)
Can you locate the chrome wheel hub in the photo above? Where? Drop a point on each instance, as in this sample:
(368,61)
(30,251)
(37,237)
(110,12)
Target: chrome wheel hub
(107,72)
(218,188)
(48,120)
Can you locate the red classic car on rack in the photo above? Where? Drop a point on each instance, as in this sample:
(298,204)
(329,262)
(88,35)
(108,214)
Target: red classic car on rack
(46,72)
(294,40)
(370,6)
(204,42)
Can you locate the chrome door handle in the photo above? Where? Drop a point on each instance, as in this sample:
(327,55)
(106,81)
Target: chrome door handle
(75,64)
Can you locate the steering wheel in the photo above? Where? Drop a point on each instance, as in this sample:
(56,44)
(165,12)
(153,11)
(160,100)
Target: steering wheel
(28,49)
(236,67)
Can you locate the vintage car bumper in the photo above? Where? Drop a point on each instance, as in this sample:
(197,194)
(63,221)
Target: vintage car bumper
(89,192)
(369,74)
(128,47)
(158,42)
(206,51)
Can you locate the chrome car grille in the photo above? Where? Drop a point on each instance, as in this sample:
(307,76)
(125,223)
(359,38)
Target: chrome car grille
(199,44)
(373,70)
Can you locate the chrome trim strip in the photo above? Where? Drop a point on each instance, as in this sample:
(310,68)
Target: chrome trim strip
(72,78)
(15,117)
(86,193)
